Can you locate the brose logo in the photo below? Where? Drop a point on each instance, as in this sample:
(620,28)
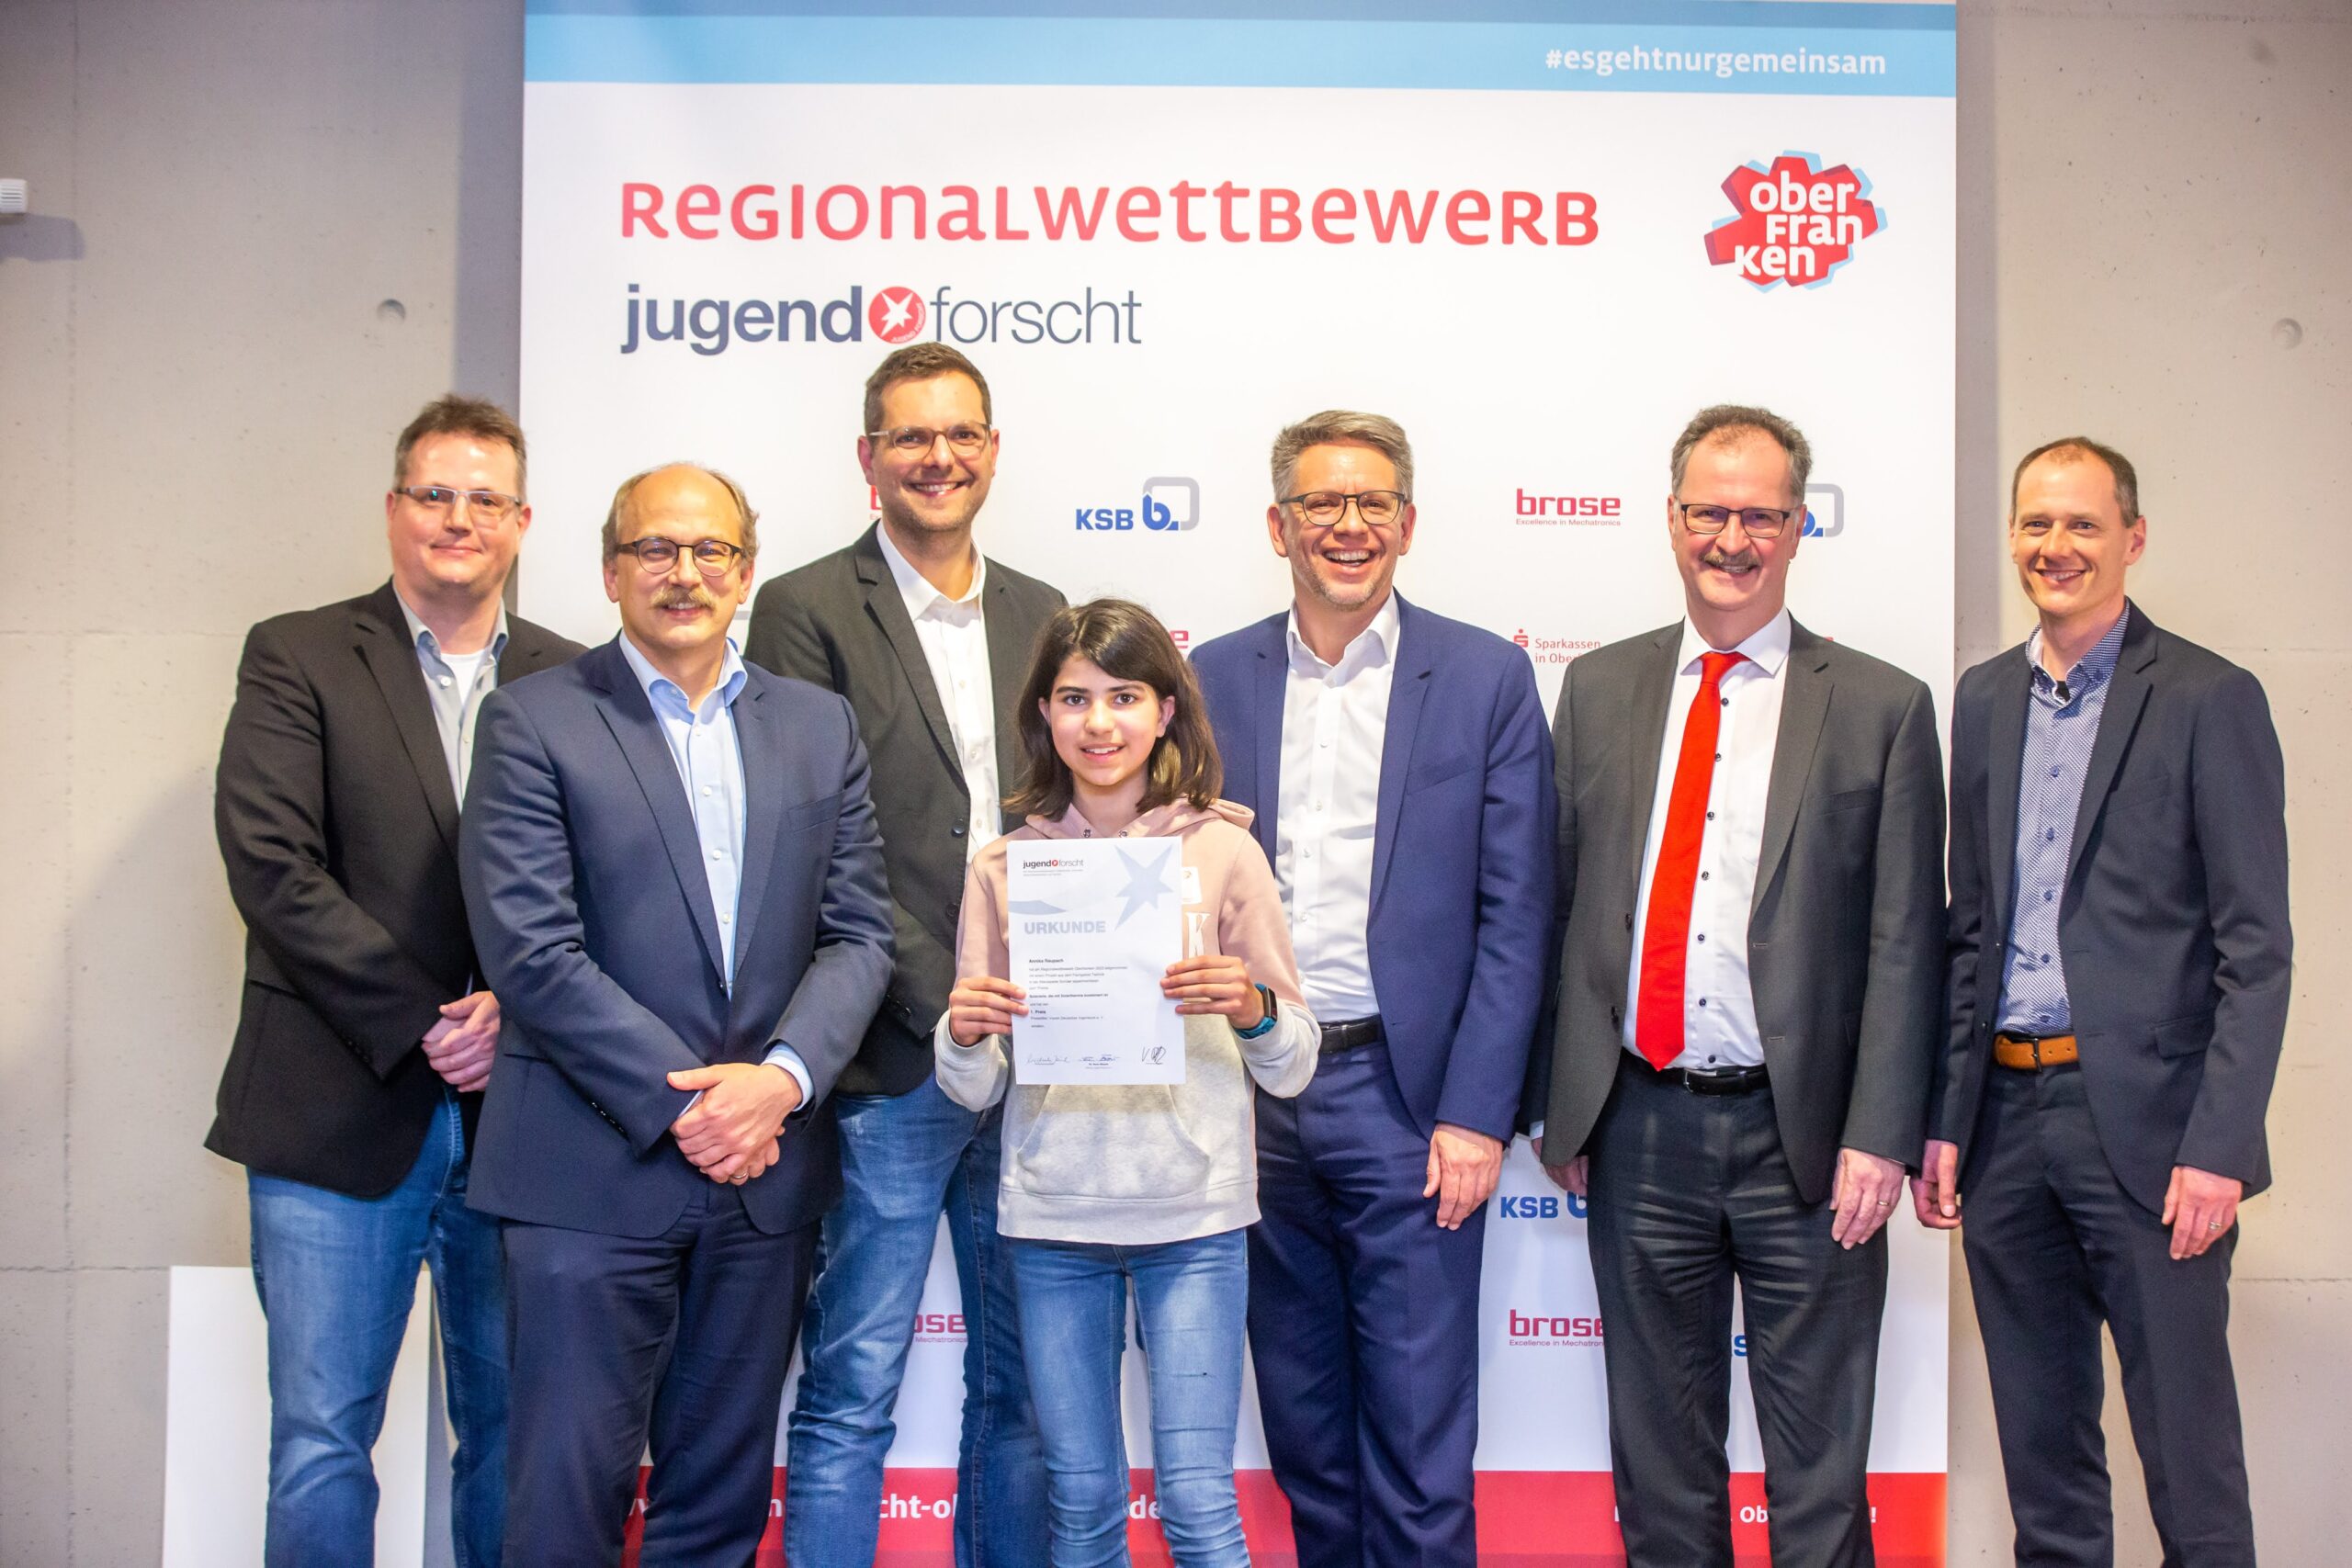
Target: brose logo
(1169,504)
(1541,1328)
(1574,511)
(939,1328)
(1795,223)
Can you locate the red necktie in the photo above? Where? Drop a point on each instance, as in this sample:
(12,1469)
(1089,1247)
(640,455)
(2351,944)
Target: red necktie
(1666,934)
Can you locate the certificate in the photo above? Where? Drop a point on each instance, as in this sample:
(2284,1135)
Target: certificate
(1093,924)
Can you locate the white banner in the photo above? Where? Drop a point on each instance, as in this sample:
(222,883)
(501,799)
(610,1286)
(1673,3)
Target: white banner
(1539,236)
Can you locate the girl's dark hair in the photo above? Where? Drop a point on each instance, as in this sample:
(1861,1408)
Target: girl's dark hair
(1126,642)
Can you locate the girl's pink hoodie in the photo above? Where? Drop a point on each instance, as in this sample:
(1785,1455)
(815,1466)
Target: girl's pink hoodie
(1141,1164)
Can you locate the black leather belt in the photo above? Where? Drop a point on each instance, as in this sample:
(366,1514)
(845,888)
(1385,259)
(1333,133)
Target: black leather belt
(1351,1033)
(1720,1080)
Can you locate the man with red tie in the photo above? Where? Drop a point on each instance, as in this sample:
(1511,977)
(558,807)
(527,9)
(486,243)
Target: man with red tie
(1750,909)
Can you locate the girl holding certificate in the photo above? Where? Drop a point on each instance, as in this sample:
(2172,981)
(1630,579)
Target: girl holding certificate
(1108,1187)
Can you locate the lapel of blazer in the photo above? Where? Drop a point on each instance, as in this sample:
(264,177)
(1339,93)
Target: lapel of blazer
(759,741)
(380,636)
(2011,696)
(1409,691)
(888,608)
(1804,705)
(1271,677)
(2126,696)
(628,714)
(1009,639)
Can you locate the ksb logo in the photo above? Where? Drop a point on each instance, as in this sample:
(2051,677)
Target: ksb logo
(1168,505)
(1538,1205)
(1825,510)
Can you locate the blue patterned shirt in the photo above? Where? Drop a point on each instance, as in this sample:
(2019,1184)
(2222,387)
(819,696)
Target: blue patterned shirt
(2058,733)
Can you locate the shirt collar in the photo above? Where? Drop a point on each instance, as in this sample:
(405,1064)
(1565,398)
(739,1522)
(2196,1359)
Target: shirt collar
(421,636)
(1376,644)
(1767,648)
(660,689)
(2092,669)
(917,590)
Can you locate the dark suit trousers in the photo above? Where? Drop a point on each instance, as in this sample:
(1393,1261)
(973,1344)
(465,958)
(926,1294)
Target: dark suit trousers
(1364,1327)
(1688,1193)
(684,1338)
(2054,1246)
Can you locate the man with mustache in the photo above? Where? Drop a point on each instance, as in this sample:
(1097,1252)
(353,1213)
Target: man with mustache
(2120,963)
(677,892)
(1395,759)
(367,1031)
(1750,959)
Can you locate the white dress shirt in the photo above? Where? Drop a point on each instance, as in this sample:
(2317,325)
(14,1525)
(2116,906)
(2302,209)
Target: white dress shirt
(710,760)
(956,645)
(1335,718)
(1718,1008)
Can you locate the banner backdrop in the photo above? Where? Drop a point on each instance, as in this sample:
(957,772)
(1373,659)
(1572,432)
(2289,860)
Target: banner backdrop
(1539,236)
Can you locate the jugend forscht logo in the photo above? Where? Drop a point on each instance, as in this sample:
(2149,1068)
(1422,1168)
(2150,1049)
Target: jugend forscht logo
(1169,504)
(1795,223)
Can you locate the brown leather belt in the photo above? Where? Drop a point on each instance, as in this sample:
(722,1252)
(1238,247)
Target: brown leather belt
(2026,1053)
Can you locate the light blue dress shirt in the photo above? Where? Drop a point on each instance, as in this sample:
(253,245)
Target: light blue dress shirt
(456,702)
(2058,733)
(710,765)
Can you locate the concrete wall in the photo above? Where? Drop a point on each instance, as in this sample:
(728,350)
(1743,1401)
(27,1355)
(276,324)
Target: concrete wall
(201,367)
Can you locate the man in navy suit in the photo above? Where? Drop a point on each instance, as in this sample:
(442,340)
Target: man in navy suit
(1397,763)
(677,892)
(2120,963)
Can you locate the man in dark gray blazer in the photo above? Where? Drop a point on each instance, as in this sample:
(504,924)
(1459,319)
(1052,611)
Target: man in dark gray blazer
(930,642)
(2120,969)
(1749,972)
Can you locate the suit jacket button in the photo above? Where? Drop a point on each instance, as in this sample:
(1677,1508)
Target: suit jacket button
(954,833)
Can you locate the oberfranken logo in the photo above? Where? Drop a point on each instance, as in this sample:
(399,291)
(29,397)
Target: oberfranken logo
(1795,223)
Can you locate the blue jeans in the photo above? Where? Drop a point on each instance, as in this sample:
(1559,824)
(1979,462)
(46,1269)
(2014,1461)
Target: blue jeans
(1191,1302)
(905,1157)
(338,1281)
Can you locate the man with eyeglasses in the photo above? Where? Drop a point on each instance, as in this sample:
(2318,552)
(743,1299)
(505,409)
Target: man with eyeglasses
(1750,959)
(929,640)
(2122,960)
(1396,760)
(678,894)
(365,1030)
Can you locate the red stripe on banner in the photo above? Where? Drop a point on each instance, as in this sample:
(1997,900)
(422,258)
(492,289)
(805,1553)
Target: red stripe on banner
(1527,1519)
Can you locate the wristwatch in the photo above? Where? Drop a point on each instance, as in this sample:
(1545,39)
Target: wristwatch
(1266,1001)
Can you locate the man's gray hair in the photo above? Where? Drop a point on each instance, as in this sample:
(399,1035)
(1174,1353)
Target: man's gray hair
(1735,418)
(1341,427)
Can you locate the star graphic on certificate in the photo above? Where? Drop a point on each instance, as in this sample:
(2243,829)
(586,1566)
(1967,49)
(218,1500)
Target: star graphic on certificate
(1146,884)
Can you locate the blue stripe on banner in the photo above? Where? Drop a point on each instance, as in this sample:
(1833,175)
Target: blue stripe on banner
(1897,13)
(1644,57)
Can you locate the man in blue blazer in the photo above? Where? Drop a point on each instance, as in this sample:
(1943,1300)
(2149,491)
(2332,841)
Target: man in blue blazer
(677,893)
(1397,764)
